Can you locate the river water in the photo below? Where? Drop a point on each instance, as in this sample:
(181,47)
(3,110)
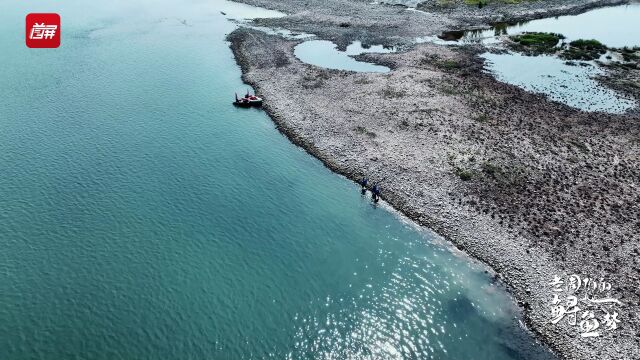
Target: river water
(144,217)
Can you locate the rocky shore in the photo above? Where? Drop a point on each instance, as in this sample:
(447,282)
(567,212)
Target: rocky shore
(625,81)
(531,187)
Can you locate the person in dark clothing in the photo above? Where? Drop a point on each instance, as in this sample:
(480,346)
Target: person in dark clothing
(364,182)
(375,193)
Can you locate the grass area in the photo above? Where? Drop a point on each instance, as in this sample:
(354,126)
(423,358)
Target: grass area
(476,2)
(535,43)
(587,44)
(584,50)
(449,64)
(539,41)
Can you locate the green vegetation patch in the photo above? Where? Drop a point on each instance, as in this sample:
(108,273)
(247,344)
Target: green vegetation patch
(584,50)
(476,2)
(449,65)
(588,44)
(536,43)
(541,41)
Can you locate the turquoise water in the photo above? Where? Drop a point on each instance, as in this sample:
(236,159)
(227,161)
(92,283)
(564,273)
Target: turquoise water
(144,217)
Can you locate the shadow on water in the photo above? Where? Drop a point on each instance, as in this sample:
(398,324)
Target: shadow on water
(461,309)
(465,314)
(477,35)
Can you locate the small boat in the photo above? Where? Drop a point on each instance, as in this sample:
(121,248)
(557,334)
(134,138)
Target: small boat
(241,102)
(254,100)
(248,101)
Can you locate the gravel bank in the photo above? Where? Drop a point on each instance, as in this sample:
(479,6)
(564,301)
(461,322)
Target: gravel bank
(343,21)
(548,190)
(497,11)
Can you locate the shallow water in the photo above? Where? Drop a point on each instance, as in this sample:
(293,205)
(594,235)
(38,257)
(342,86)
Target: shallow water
(144,217)
(325,54)
(615,26)
(572,85)
(549,75)
(284,33)
(244,12)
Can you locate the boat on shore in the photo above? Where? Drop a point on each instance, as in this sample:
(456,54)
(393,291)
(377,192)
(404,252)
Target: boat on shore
(248,101)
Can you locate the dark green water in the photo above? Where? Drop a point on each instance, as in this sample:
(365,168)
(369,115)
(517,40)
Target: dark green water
(143,217)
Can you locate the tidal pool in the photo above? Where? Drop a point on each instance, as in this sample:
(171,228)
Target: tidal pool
(573,85)
(615,26)
(325,54)
(144,217)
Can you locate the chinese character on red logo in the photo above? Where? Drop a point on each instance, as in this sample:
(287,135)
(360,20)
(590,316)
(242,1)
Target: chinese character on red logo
(43,30)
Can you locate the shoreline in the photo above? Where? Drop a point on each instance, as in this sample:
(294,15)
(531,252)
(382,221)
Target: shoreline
(524,264)
(395,202)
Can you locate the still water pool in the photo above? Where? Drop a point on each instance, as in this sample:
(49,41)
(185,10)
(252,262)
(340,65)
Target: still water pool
(144,217)
(576,86)
(615,26)
(325,54)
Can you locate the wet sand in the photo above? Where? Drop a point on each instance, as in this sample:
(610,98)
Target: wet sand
(531,187)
